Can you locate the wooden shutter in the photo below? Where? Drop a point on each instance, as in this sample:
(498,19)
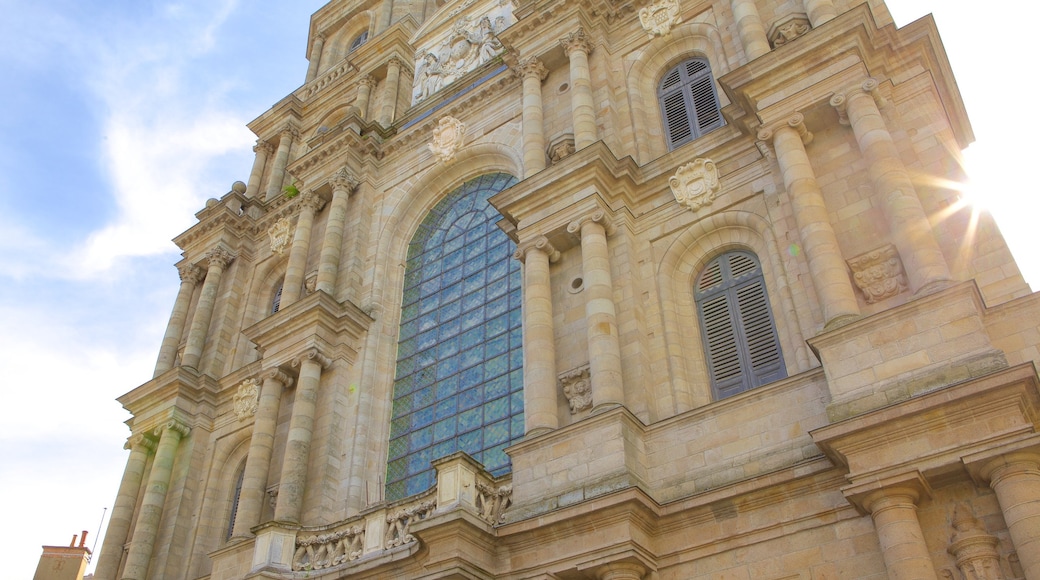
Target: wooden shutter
(689,103)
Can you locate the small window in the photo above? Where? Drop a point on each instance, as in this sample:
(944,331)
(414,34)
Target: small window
(689,103)
(361,39)
(740,339)
(234,503)
(276,303)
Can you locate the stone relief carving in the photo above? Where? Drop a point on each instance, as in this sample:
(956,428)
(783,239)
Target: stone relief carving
(974,548)
(448,136)
(247,399)
(660,17)
(310,283)
(561,148)
(492,502)
(399,521)
(470,43)
(696,184)
(328,550)
(280,233)
(577,387)
(879,274)
(789,29)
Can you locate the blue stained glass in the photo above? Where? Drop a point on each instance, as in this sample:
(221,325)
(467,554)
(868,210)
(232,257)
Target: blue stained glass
(448,312)
(516,359)
(515,320)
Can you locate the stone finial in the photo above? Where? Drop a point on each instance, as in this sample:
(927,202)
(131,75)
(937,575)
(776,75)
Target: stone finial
(577,387)
(247,399)
(576,40)
(279,233)
(448,137)
(788,29)
(696,184)
(879,274)
(660,17)
(974,548)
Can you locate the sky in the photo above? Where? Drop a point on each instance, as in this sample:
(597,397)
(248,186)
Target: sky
(121,117)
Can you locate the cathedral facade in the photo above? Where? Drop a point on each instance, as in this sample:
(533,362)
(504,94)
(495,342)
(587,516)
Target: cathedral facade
(574,290)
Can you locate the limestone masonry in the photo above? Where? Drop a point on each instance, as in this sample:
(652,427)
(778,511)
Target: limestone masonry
(592,289)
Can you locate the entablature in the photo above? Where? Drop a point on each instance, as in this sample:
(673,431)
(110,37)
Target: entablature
(179,392)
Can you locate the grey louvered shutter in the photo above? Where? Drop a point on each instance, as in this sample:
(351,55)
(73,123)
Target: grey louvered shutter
(740,340)
(689,103)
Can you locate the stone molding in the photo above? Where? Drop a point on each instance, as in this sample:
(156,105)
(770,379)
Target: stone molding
(247,399)
(879,274)
(660,17)
(696,184)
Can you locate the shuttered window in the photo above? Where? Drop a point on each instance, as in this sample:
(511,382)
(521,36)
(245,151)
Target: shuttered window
(276,302)
(234,502)
(689,103)
(740,340)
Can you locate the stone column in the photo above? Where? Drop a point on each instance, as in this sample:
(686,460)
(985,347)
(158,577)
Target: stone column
(150,515)
(315,57)
(190,276)
(600,313)
(923,261)
(293,481)
(533,72)
(621,571)
(219,258)
(1015,478)
(258,462)
(902,542)
(343,184)
(540,413)
(819,11)
(281,159)
(262,150)
(292,286)
(576,46)
(364,94)
(123,510)
(386,14)
(749,27)
(829,274)
(390,90)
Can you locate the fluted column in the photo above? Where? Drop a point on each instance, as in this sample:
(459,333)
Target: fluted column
(577,47)
(293,481)
(261,444)
(390,90)
(315,57)
(540,413)
(826,265)
(150,514)
(364,95)
(343,184)
(219,258)
(1015,478)
(621,571)
(600,313)
(281,160)
(819,11)
(262,150)
(292,287)
(533,72)
(923,261)
(899,532)
(750,28)
(123,510)
(190,276)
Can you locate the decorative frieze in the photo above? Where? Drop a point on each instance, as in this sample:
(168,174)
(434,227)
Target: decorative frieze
(400,520)
(788,29)
(280,234)
(879,274)
(247,399)
(577,387)
(696,184)
(660,17)
(327,550)
(448,137)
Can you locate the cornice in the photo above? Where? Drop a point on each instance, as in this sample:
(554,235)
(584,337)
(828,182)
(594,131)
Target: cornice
(180,390)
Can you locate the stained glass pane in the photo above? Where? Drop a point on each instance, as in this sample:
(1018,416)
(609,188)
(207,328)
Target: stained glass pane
(456,389)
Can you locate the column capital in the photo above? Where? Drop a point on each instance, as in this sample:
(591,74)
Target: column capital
(319,37)
(839,102)
(621,571)
(190,273)
(1000,467)
(174,425)
(394,61)
(140,440)
(278,375)
(599,216)
(312,200)
(262,145)
(797,122)
(312,354)
(367,80)
(290,131)
(891,496)
(531,67)
(576,40)
(220,256)
(767,133)
(538,244)
(344,180)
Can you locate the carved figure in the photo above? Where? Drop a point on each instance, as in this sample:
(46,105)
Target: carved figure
(467,45)
(428,79)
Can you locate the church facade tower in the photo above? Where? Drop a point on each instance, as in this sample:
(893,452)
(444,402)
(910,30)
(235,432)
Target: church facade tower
(575,290)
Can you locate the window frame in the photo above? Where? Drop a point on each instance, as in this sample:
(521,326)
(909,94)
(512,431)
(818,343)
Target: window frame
(689,102)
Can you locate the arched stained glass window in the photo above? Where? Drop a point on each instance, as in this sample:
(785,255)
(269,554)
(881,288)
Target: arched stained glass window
(459,383)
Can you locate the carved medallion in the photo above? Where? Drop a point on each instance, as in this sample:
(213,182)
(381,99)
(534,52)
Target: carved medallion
(660,17)
(279,233)
(696,184)
(577,387)
(448,136)
(789,29)
(879,274)
(247,399)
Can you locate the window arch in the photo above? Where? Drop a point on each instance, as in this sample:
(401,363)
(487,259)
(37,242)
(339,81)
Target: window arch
(459,383)
(689,102)
(740,339)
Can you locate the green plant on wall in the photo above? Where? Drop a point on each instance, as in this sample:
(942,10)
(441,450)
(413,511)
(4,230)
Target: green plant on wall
(291,191)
